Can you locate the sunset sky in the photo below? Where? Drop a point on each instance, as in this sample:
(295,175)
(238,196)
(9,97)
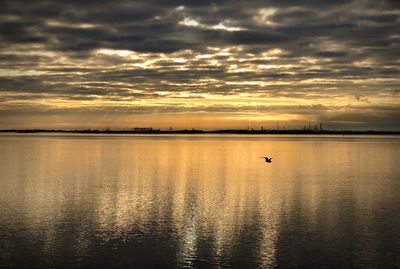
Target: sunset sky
(199,64)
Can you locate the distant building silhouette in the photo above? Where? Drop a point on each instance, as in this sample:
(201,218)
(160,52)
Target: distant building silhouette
(143,129)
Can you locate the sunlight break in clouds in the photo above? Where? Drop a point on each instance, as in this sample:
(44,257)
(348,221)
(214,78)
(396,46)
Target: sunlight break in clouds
(219,26)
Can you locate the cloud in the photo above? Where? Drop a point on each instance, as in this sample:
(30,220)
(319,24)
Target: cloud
(201,57)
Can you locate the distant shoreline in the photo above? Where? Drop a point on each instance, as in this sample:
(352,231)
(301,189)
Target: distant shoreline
(196,131)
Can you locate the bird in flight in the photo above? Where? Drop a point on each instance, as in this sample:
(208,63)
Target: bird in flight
(268,160)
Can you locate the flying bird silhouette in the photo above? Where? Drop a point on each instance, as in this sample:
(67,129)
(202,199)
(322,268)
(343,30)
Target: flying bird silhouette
(268,160)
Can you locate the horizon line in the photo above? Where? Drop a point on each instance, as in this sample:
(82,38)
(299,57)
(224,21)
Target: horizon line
(151,130)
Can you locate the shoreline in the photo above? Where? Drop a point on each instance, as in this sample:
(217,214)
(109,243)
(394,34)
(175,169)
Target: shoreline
(195,131)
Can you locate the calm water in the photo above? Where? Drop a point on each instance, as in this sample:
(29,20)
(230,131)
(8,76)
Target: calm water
(199,201)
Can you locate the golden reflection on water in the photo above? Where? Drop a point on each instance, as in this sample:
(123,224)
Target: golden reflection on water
(212,197)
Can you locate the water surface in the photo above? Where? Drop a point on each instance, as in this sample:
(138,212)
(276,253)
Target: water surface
(202,201)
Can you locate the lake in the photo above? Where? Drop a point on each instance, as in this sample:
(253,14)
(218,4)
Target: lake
(199,201)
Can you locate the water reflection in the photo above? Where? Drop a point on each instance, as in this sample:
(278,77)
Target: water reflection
(198,202)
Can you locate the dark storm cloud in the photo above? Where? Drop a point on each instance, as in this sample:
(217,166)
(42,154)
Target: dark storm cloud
(152,26)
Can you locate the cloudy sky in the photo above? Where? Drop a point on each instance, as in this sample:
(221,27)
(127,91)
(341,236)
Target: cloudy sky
(201,64)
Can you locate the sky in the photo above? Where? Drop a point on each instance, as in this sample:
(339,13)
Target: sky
(122,64)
